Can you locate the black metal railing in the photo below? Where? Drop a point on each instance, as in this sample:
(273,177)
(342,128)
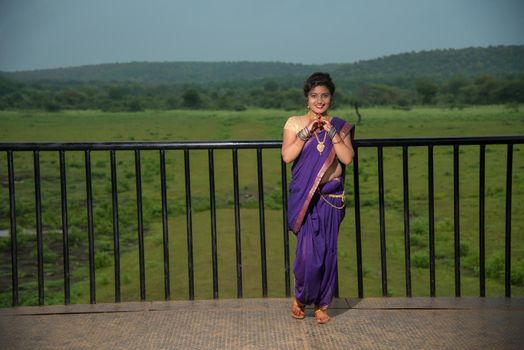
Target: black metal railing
(162,147)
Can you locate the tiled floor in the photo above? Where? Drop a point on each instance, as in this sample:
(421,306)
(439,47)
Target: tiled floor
(371,323)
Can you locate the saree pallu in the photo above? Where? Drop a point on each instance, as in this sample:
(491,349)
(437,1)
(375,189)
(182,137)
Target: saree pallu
(315,212)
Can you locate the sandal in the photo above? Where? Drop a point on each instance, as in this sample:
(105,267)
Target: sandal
(297,310)
(321,315)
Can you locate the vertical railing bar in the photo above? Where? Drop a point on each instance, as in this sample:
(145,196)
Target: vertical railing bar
(140,224)
(456,196)
(431,223)
(238,243)
(287,266)
(65,228)
(358,235)
(39,240)
(263,257)
(482,245)
(12,217)
(212,206)
(189,226)
(165,227)
(90,230)
(509,174)
(407,250)
(383,258)
(116,228)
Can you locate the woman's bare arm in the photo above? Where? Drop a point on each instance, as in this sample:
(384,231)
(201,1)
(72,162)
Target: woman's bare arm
(292,145)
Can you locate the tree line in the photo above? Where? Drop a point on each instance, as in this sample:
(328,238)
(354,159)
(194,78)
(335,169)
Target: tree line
(459,90)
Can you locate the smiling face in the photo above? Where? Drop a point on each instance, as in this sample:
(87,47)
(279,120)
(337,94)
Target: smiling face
(319,99)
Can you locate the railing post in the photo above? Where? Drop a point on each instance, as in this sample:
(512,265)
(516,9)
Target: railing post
(212,209)
(140,222)
(456,216)
(90,230)
(238,242)
(12,219)
(358,235)
(287,269)
(407,251)
(165,228)
(431,222)
(383,259)
(189,225)
(39,239)
(482,246)
(263,260)
(116,230)
(65,234)
(507,263)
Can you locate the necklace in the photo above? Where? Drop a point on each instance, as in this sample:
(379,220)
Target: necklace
(321,146)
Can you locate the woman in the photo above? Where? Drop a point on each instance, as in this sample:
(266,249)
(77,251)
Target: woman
(319,146)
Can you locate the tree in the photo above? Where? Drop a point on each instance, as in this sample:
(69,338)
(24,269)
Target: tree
(191,99)
(427,88)
(134,105)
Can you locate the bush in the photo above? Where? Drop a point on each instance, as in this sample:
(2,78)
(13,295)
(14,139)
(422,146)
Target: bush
(50,257)
(102,260)
(5,244)
(464,248)
(495,266)
(419,226)
(416,241)
(420,260)
(517,274)
(134,106)
(52,106)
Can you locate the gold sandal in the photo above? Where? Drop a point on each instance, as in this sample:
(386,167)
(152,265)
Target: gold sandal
(321,315)
(297,310)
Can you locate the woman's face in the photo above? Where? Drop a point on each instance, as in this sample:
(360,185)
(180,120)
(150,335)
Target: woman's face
(319,99)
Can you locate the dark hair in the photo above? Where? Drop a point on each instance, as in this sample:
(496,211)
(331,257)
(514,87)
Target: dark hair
(319,79)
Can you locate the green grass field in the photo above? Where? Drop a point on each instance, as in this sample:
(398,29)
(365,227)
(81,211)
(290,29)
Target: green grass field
(176,125)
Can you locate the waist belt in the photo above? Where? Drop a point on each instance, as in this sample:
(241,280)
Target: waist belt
(341,196)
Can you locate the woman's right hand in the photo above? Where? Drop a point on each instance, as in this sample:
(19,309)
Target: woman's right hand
(312,126)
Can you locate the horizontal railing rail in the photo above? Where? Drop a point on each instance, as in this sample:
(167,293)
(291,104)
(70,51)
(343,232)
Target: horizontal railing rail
(234,147)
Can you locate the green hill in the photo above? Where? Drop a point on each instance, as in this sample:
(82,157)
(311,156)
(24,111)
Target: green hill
(439,64)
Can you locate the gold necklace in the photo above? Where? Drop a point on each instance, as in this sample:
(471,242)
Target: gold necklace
(320,145)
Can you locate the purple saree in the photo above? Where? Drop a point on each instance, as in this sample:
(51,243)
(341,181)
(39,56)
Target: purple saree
(314,215)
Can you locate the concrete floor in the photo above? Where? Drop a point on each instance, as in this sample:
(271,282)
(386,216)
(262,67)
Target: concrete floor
(370,323)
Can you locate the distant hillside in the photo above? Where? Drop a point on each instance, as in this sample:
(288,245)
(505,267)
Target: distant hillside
(438,64)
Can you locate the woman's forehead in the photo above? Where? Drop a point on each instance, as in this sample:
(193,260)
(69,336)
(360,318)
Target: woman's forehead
(319,89)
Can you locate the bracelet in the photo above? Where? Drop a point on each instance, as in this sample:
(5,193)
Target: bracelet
(332,132)
(304,134)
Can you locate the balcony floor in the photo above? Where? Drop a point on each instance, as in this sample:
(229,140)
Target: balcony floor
(370,323)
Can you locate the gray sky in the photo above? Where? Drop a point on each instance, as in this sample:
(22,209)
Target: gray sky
(38,34)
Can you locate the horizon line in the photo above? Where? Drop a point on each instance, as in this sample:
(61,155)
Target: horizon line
(261,61)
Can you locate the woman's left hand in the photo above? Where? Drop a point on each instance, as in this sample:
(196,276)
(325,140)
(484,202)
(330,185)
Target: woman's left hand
(326,124)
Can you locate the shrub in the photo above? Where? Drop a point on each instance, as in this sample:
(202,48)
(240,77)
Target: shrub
(517,274)
(102,260)
(416,241)
(464,248)
(104,281)
(420,260)
(419,226)
(495,266)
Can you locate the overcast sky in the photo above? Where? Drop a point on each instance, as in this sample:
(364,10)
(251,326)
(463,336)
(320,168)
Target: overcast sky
(37,34)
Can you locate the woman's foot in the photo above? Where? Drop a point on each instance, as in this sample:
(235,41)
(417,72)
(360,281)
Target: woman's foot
(297,310)
(321,315)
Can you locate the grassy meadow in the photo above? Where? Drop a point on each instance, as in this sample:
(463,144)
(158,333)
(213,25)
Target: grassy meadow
(254,124)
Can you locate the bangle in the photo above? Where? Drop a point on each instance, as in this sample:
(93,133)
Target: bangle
(304,134)
(332,132)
